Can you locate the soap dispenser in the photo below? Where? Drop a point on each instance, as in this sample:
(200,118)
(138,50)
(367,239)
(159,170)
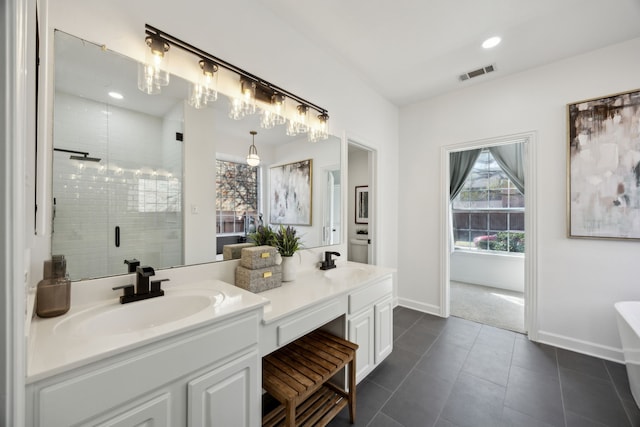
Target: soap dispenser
(53,295)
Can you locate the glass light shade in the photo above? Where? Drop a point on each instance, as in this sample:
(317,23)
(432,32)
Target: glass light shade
(209,80)
(319,128)
(301,119)
(279,109)
(292,128)
(322,129)
(146,81)
(267,119)
(253,159)
(152,75)
(236,110)
(205,90)
(157,61)
(248,90)
(197,97)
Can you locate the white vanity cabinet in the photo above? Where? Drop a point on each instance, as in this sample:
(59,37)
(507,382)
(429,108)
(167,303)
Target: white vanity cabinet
(205,376)
(370,324)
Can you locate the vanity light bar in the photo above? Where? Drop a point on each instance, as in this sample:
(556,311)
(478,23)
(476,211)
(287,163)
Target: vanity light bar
(262,85)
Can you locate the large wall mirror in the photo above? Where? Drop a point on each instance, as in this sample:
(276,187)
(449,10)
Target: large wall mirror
(134,175)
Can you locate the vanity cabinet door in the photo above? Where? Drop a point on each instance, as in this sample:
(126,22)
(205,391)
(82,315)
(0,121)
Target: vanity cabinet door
(384,329)
(361,333)
(152,413)
(226,396)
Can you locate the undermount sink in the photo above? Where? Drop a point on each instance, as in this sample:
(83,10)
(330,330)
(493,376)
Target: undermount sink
(347,273)
(115,318)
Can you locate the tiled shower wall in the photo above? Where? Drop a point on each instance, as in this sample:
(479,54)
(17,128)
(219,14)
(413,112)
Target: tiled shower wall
(137,186)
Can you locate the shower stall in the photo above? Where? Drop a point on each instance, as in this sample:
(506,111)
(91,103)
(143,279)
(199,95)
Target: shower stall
(117,186)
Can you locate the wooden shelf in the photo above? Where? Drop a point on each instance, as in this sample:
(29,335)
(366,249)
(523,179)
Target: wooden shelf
(297,376)
(318,410)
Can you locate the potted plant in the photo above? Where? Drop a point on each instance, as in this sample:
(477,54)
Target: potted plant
(262,236)
(287,243)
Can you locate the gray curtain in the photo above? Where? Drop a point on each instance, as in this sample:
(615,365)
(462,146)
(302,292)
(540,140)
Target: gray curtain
(460,164)
(511,159)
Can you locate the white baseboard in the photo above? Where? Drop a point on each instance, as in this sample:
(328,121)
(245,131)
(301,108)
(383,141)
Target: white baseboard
(561,341)
(579,346)
(419,306)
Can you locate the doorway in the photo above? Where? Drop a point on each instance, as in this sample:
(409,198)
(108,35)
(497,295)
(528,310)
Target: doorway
(361,203)
(481,249)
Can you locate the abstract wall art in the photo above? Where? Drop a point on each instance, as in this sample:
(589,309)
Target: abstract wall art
(603,170)
(290,198)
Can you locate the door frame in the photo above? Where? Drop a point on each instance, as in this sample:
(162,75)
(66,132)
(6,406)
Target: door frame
(530,197)
(374,232)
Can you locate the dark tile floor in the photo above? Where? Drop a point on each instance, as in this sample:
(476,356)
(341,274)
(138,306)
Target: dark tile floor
(457,373)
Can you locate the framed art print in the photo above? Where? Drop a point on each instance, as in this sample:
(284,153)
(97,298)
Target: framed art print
(290,198)
(362,204)
(603,170)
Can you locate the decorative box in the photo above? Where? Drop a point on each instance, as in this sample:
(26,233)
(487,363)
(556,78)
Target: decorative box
(258,257)
(234,251)
(259,280)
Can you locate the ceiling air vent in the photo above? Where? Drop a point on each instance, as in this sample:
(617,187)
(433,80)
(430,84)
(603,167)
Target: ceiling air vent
(478,72)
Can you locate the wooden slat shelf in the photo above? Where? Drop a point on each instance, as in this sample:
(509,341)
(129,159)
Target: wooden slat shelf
(297,374)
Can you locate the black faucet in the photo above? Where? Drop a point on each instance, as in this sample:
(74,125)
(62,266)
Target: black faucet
(132,264)
(328,262)
(144,287)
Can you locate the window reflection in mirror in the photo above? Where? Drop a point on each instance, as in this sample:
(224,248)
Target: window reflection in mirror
(146,188)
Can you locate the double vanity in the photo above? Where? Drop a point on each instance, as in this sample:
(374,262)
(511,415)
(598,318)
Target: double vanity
(193,356)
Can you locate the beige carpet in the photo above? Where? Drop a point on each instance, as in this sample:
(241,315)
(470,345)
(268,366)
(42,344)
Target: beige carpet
(490,306)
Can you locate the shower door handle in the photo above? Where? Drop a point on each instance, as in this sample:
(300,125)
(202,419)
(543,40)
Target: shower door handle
(117,236)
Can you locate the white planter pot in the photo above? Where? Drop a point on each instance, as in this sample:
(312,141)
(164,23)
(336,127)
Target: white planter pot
(289,268)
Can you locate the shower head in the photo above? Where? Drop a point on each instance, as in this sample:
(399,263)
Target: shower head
(85,157)
(79,155)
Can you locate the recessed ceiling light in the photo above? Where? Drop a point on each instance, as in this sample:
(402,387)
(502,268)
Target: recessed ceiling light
(116,95)
(491,42)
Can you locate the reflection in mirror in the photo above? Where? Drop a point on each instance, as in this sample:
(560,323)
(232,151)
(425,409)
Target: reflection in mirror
(149,177)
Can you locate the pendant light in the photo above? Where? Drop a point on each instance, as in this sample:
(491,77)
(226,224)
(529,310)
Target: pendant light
(204,92)
(153,74)
(252,158)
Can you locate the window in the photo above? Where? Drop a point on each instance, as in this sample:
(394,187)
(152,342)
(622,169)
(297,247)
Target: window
(488,213)
(159,194)
(236,196)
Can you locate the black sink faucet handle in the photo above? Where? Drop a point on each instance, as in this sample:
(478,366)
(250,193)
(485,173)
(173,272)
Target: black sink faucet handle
(132,264)
(154,286)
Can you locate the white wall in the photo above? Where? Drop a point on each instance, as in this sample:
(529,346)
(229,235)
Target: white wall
(250,36)
(577,280)
(488,269)
(199,180)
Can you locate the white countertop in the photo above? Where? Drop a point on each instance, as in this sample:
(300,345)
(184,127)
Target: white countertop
(53,350)
(312,287)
